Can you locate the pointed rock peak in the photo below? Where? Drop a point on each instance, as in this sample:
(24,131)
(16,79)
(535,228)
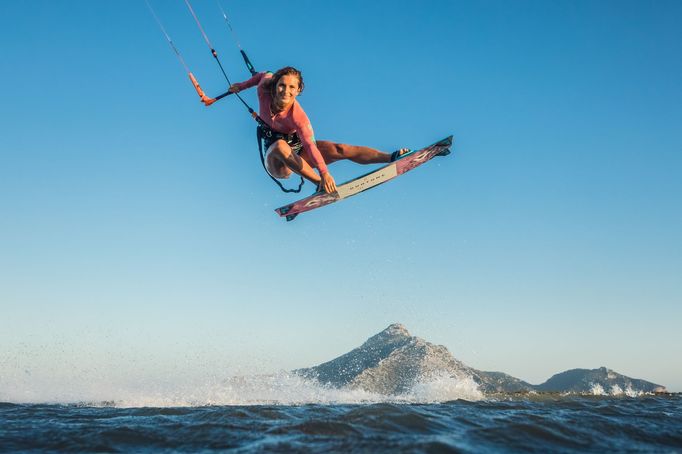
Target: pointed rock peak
(395,333)
(397,329)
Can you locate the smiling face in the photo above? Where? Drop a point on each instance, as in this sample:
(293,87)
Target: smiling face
(286,90)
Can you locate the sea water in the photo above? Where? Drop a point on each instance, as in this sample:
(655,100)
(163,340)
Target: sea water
(285,413)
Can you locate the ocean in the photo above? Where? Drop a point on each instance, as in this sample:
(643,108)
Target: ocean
(503,423)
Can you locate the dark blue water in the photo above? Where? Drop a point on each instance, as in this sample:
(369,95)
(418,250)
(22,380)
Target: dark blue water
(539,424)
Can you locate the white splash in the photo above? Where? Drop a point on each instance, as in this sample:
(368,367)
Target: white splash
(597,390)
(443,388)
(286,388)
(632,392)
(616,390)
(283,388)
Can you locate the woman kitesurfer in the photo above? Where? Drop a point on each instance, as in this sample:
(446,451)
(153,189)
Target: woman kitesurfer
(290,143)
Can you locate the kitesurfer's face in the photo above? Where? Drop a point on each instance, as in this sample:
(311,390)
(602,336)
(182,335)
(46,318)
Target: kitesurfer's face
(287,89)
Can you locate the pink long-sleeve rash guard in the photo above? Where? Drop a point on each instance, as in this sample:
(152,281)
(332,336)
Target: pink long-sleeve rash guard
(290,121)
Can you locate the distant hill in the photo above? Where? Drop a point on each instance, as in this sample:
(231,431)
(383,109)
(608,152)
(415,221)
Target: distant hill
(587,380)
(393,361)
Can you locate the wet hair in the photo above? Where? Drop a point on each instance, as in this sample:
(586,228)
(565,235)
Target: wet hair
(286,71)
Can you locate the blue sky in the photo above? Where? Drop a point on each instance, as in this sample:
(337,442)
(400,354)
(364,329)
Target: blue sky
(137,226)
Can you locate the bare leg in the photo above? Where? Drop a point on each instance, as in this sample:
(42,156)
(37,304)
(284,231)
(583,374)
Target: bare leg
(362,155)
(281,160)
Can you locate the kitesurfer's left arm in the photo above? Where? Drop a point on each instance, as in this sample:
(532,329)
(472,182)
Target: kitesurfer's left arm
(328,184)
(305,132)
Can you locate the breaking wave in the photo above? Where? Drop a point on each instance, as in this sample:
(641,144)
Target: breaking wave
(598,390)
(283,388)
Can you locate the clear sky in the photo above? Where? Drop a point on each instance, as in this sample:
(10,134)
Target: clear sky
(137,232)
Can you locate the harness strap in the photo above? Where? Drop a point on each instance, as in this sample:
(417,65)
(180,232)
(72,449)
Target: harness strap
(261,132)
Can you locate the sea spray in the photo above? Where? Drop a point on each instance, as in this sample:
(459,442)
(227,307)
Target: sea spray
(444,388)
(391,366)
(282,388)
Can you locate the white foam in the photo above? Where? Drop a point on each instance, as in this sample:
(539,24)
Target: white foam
(616,391)
(597,390)
(282,388)
(443,387)
(632,392)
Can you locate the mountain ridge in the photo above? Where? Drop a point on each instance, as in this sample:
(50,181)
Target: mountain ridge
(393,361)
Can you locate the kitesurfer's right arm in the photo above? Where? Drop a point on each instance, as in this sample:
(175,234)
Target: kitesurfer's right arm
(239,86)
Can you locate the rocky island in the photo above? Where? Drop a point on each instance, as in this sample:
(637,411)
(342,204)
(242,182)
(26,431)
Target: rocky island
(393,361)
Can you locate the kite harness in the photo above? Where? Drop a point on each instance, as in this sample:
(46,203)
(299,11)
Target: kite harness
(263,131)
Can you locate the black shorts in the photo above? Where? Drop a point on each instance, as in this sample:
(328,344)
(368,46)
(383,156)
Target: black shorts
(291,139)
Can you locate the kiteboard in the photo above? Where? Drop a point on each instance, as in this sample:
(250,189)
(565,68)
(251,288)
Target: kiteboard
(403,164)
